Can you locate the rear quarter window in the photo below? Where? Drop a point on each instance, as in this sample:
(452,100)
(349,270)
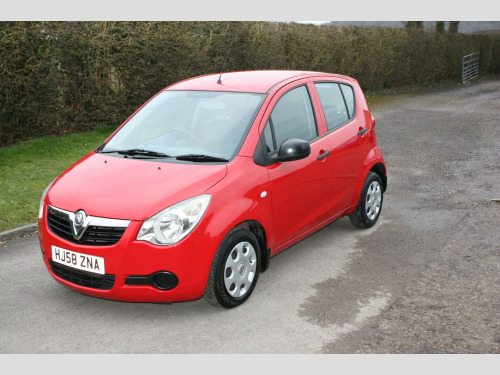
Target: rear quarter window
(349,99)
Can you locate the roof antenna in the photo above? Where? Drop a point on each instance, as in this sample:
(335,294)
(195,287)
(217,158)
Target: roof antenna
(219,81)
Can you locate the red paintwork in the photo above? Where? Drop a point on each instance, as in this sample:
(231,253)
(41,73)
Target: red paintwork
(302,196)
(250,81)
(111,190)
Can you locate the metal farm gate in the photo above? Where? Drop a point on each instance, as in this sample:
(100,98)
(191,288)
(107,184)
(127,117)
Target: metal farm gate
(470,66)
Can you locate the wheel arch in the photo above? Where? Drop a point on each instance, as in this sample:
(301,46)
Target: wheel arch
(257,229)
(374,161)
(379,169)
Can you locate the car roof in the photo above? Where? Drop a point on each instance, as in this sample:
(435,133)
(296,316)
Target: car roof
(258,81)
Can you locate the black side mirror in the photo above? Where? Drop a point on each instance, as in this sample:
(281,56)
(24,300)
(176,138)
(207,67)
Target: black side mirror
(292,149)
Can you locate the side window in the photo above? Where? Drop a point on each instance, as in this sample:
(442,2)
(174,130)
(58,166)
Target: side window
(268,135)
(349,98)
(292,117)
(332,101)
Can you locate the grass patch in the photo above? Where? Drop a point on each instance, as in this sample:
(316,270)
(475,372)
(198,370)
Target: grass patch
(27,169)
(385,96)
(375,98)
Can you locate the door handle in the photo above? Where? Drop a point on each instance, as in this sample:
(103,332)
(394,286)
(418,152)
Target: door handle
(324,155)
(361,131)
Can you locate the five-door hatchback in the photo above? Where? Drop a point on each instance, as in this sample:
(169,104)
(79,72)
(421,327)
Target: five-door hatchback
(213,176)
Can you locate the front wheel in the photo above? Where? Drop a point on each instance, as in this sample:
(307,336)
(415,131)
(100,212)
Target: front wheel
(235,269)
(370,202)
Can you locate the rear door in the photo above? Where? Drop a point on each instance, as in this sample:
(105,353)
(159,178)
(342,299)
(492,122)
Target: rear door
(346,137)
(300,189)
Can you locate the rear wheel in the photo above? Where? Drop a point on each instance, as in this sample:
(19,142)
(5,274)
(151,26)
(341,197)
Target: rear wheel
(370,202)
(235,269)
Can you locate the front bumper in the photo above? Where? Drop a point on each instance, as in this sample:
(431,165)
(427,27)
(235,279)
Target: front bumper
(143,266)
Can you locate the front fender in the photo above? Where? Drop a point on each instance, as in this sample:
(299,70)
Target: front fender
(243,195)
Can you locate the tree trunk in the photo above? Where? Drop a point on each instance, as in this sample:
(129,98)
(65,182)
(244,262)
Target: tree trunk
(453,27)
(414,24)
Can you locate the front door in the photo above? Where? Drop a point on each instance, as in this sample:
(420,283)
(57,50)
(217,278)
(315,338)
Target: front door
(300,189)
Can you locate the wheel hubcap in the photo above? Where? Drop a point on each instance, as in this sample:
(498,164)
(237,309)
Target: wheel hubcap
(239,270)
(242,270)
(373,200)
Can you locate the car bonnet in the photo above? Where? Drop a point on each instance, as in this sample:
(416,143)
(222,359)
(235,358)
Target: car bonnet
(130,189)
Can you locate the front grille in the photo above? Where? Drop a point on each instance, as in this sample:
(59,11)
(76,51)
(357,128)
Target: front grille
(101,236)
(94,235)
(88,279)
(59,226)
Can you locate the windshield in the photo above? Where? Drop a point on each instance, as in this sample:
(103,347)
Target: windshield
(179,123)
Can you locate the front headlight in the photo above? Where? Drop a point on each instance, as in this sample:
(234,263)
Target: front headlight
(174,223)
(44,194)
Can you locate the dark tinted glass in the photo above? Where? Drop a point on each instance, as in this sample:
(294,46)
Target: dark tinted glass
(349,98)
(293,117)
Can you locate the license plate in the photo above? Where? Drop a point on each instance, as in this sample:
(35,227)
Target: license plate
(79,261)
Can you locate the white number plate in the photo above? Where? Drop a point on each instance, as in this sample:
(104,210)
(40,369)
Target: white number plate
(82,262)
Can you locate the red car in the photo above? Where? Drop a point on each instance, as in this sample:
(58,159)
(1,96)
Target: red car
(212,177)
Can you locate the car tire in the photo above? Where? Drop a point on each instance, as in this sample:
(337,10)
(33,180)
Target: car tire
(370,202)
(235,269)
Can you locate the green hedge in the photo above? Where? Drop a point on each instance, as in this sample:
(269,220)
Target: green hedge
(64,77)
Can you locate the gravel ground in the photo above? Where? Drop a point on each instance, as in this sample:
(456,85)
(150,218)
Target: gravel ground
(425,279)
(441,241)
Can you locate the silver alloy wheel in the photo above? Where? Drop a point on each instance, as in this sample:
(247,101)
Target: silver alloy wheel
(373,200)
(240,268)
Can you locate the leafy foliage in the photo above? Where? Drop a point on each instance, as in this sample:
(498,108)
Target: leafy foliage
(65,77)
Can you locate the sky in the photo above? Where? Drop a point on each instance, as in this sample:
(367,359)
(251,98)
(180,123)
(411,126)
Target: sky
(255,10)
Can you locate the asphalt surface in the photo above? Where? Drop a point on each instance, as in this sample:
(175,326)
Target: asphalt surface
(425,279)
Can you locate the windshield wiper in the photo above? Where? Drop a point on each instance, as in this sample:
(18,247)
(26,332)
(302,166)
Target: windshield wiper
(201,158)
(137,152)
